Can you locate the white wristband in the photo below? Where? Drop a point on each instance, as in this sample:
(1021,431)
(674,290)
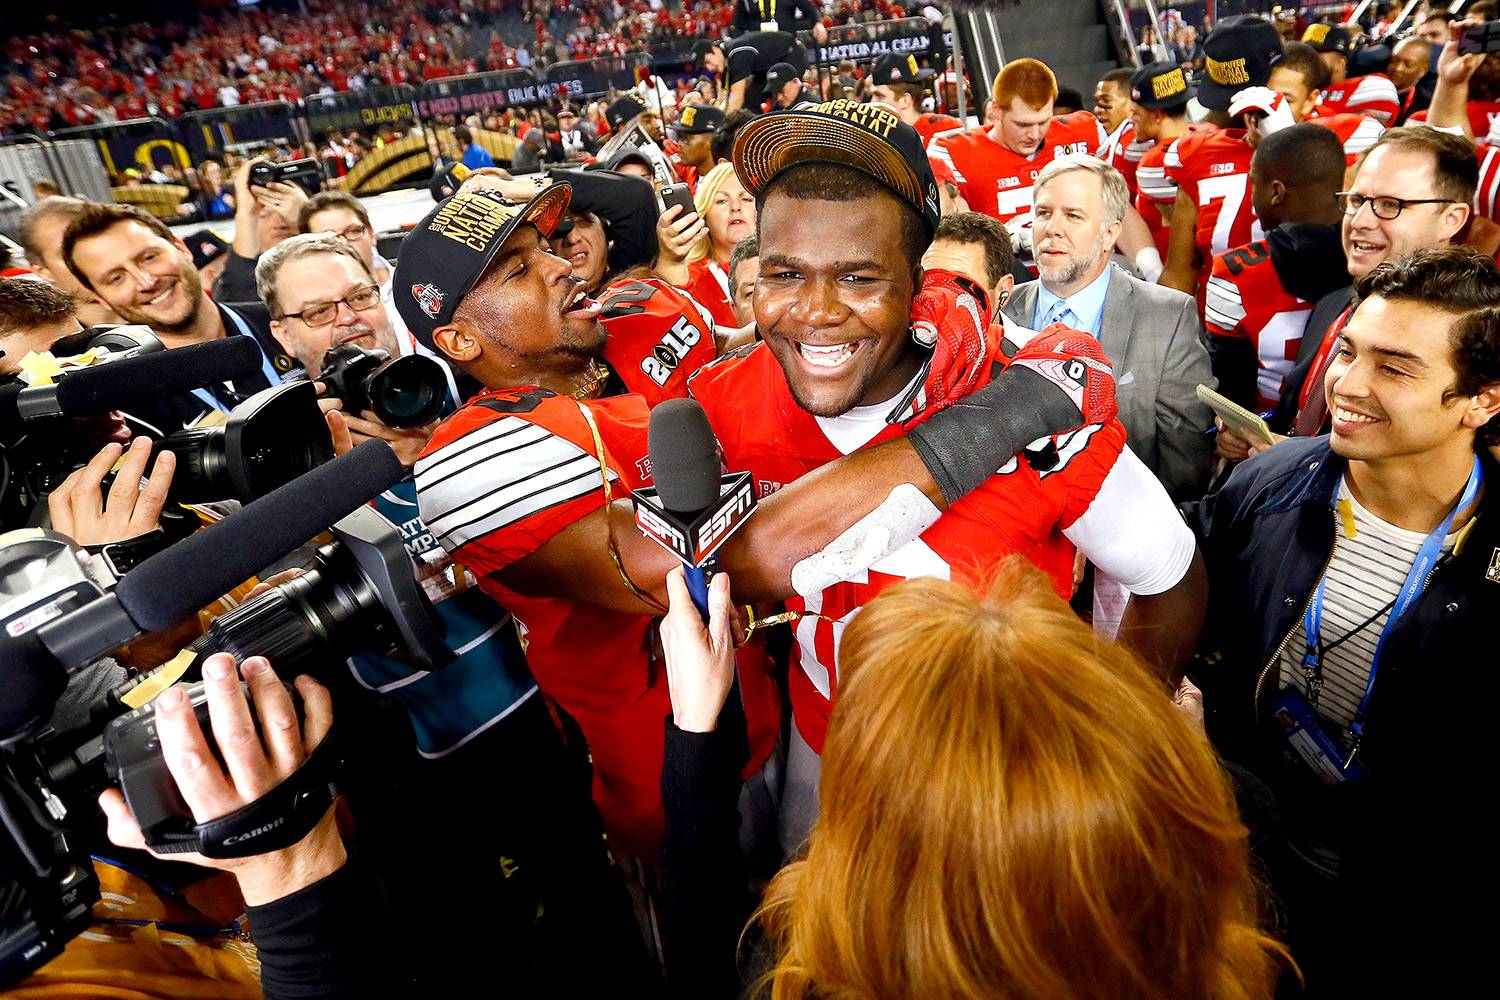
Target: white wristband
(1148,262)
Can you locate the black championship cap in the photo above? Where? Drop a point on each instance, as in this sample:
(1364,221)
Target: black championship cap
(695,119)
(445,255)
(623,109)
(893,68)
(1328,38)
(779,76)
(1160,85)
(206,246)
(868,137)
(1239,53)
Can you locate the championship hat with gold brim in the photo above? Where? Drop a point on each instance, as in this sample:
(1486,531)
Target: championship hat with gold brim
(445,255)
(1161,85)
(1239,53)
(867,137)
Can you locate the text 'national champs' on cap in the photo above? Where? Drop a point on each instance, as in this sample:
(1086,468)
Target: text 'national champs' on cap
(445,255)
(867,137)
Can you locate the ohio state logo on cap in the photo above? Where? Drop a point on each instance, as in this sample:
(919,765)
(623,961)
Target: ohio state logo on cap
(429,297)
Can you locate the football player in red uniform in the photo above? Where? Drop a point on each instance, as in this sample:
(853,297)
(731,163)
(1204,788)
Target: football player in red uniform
(1123,149)
(1212,169)
(994,168)
(901,84)
(1299,77)
(1159,95)
(837,257)
(1372,94)
(527,483)
(1260,295)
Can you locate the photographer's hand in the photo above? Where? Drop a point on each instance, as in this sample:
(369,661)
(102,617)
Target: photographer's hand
(246,243)
(80,510)
(287,199)
(700,660)
(406,442)
(253,770)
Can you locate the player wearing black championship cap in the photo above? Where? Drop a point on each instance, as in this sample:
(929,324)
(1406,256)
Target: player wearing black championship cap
(526,483)
(1211,170)
(847,205)
(1159,95)
(694,130)
(902,84)
(1372,94)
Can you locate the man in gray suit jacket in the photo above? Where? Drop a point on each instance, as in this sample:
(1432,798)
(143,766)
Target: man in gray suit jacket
(1151,334)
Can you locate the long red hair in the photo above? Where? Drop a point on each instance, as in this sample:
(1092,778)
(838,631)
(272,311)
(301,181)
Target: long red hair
(1011,807)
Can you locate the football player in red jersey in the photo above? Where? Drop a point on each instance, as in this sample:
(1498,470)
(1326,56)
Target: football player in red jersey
(1212,169)
(901,84)
(1372,94)
(1123,149)
(993,167)
(527,483)
(838,256)
(1299,77)
(1159,95)
(1260,295)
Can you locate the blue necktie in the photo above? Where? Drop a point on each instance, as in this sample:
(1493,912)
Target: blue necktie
(1060,313)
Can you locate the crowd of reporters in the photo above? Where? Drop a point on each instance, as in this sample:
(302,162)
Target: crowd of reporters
(1012,804)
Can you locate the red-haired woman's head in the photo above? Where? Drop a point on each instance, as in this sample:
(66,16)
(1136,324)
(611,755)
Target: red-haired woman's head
(1011,807)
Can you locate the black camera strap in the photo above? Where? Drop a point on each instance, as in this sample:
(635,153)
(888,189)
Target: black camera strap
(276,820)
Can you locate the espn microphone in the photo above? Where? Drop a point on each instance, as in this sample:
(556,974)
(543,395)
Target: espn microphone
(693,508)
(92,391)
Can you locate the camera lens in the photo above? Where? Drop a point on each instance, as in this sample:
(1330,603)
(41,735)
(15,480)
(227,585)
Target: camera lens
(407,392)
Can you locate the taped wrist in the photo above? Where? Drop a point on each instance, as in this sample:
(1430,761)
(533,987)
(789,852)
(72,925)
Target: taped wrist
(969,441)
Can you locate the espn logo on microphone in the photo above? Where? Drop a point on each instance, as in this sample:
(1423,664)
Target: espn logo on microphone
(695,540)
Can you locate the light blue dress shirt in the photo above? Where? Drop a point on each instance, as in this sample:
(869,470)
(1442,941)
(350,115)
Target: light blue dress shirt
(1086,305)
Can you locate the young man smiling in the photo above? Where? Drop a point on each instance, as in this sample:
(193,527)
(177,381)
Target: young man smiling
(1356,582)
(847,205)
(527,484)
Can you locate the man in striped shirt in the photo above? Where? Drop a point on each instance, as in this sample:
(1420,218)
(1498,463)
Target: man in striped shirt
(1356,582)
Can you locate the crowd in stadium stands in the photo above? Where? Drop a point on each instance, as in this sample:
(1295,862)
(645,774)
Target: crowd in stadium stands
(79,77)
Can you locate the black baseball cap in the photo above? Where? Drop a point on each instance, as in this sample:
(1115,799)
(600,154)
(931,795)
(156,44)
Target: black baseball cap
(623,109)
(893,68)
(779,76)
(1239,53)
(206,246)
(1328,38)
(1160,85)
(449,250)
(695,119)
(868,137)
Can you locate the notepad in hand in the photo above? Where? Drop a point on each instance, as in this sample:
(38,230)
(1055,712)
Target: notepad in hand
(1247,425)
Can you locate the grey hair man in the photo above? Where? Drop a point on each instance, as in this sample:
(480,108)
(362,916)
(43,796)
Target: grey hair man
(1151,334)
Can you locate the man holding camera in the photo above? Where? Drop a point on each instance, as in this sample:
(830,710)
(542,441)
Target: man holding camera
(263,217)
(131,260)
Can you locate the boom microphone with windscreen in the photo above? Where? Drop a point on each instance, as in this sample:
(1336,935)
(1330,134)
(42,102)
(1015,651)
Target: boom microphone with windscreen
(98,389)
(693,508)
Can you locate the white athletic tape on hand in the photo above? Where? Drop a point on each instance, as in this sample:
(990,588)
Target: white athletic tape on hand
(900,518)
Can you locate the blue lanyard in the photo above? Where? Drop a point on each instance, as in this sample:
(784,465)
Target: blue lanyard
(212,401)
(1411,589)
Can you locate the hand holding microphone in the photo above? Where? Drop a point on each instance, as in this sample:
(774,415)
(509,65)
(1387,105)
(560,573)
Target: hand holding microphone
(699,655)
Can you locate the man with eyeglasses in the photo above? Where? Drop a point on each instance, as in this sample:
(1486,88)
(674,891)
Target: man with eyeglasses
(1414,190)
(342,216)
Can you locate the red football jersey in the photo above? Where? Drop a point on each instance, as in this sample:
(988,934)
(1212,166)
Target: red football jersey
(1487,194)
(658,336)
(1357,133)
(500,478)
(1373,94)
(1213,168)
(708,284)
(930,125)
(762,430)
(998,182)
(1246,299)
(1123,151)
(1154,188)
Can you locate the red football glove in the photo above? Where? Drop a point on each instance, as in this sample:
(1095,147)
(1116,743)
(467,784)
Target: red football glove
(1075,363)
(951,316)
